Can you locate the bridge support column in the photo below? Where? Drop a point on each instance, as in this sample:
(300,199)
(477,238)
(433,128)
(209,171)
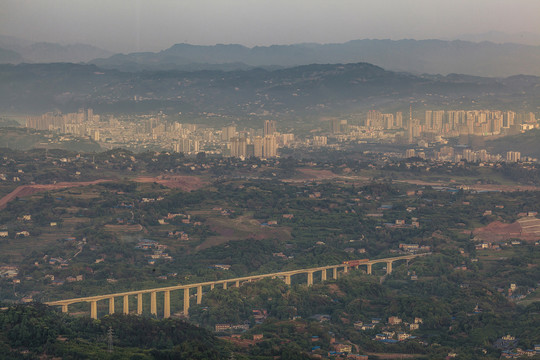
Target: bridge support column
(288,279)
(126,305)
(199,295)
(225,286)
(345,269)
(368,270)
(310,278)
(153,306)
(186,301)
(323,275)
(111,306)
(237,284)
(139,304)
(167,304)
(212,286)
(388,267)
(93,309)
(334,273)
(65,308)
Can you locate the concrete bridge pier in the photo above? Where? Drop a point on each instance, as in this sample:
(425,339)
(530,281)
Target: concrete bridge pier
(126,305)
(65,308)
(212,286)
(111,305)
(225,285)
(389,268)
(93,309)
(153,306)
(334,273)
(368,270)
(237,283)
(186,301)
(199,295)
(323,275)
(139,303)
(346,269)
(167,304)
(288,279)
(310,278)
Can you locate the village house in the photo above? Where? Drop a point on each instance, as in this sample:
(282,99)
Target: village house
(403,336)
(221,266)
(343,348)
(222,327)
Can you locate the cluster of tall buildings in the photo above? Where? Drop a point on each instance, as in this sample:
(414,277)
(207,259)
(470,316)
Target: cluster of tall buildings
(474,122)
(376,119)
(156,131)
(246,144)
(454,122)
(187,146)
(448,153)
(72,123)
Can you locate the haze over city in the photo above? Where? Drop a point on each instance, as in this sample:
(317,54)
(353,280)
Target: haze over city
(269,179)
(130,26)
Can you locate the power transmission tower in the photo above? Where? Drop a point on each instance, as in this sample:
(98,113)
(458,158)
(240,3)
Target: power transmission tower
(110,339)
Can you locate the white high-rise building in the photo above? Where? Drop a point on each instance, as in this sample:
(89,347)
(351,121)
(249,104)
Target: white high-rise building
(269,147)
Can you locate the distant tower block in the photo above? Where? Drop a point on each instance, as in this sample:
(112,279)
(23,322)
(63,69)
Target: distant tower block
(409,130)
(269,127)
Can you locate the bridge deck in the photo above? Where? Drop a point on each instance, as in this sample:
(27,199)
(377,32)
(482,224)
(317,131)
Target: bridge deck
(219,282)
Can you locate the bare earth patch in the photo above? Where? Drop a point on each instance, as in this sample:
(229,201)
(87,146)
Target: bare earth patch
(26,190)
(527,229)
(241,228)
(503,188)
(334,289)
(124,228)
(314,174)
(186,183)
(394,356)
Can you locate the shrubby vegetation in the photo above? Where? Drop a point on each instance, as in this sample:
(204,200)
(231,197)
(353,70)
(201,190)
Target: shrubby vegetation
(31,330)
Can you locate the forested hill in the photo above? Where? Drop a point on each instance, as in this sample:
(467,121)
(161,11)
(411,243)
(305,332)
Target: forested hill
(299,91)
(37,330)
(528,143)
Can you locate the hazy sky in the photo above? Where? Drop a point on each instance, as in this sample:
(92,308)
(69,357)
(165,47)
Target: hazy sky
(151,25)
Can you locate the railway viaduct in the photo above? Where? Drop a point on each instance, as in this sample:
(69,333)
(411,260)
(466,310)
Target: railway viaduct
(210,285)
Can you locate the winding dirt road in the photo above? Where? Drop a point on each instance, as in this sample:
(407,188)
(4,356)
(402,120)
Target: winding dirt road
(186,183)
(26,190)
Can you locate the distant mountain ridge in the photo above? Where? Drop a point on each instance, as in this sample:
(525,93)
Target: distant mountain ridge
(444,57)
(14,51)
(499,37)
(416,56)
